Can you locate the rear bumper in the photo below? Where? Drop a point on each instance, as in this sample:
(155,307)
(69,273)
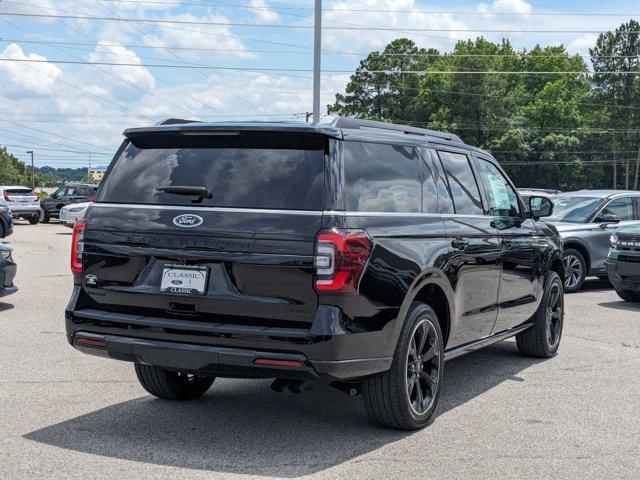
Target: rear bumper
(30,211)
(327,353)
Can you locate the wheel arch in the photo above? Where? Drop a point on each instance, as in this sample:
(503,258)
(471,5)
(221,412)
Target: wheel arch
(433,288)
(581,247)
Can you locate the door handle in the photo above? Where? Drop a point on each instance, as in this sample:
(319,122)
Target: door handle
(459,243)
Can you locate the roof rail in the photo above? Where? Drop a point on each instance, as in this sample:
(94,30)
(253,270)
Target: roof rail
(350,122)
(176,121)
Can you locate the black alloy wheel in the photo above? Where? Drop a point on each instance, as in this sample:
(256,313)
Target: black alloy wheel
(542,340)
(405,397)
(423,364)
(555,311)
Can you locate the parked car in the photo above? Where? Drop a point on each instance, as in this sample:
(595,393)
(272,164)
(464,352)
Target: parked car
(7,271)
(70,214)
(585,220)
(359,254)
(72,193)
(6,222)
(623,263)
(21,201)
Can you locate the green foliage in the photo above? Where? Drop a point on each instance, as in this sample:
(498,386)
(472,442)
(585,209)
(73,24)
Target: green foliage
(548,130)
(15,172)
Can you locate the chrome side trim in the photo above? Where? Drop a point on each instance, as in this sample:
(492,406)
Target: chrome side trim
(194,209)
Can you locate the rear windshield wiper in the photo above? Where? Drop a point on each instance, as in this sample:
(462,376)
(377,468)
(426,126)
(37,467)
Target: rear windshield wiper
(200,192)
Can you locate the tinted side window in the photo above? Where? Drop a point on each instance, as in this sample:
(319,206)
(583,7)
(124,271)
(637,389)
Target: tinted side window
(382,178)
(622,207)
(429,189)
(445,203)
(462,183)
(503,201)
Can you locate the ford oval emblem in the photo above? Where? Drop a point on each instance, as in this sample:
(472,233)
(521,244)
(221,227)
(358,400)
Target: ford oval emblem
(187,220)
(176,282)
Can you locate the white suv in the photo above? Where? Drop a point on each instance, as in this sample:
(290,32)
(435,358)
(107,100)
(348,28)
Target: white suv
(22,202)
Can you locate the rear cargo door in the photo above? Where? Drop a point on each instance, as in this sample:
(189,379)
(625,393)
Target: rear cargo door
(215,227)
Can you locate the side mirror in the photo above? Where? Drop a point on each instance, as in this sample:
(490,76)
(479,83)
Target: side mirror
(540,207)
(609,218)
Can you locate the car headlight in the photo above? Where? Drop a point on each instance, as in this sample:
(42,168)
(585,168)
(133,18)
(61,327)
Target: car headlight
(5,254)
(614,240)
(76,209)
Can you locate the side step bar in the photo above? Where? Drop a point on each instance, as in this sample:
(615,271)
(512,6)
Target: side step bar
(478,344)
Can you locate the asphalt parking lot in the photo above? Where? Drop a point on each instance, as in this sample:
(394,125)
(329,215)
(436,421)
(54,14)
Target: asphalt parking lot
(67,415)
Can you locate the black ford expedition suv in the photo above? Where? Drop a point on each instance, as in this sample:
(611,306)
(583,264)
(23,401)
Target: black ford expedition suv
(359,254)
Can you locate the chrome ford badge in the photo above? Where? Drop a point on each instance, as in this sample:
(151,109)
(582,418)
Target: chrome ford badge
(187,220)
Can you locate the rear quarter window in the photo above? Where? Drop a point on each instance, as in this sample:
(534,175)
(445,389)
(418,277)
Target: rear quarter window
(382,178)
(246,174)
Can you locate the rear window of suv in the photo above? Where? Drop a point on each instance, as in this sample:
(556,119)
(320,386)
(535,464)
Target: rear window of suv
(242,170)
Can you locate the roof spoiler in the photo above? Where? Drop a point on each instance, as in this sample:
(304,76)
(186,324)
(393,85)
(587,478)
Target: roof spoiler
(358,123)
(177,121)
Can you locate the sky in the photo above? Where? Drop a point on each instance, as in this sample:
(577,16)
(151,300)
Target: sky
(73,114)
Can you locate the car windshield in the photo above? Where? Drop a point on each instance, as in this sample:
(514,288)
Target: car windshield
(573,209)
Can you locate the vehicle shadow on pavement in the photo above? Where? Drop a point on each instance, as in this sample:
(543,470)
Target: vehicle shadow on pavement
(243,427)
(621,305)
(5,306)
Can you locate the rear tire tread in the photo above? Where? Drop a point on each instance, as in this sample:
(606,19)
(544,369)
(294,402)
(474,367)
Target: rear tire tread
(165,384)
(382,392)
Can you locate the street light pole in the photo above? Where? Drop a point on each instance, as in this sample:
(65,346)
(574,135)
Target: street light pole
(33,172)
(317,57)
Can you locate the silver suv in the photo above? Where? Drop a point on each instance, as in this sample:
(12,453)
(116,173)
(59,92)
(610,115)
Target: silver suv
(586,219)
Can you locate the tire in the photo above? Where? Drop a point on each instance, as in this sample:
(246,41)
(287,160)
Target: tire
(542,340)
(44,215)
(170,385)
(34,220)
(391,398)
(629,296)
(575,270)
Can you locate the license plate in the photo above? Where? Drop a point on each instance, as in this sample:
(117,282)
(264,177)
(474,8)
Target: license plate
(184,279)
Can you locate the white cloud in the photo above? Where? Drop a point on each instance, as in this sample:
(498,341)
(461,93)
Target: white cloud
(134,77)
(511,6)
(367,40)
(219,38)
(582,44)
(27,79)
(262,11)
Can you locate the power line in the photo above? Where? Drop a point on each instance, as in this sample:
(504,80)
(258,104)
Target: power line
(292,26)
(279,9)
(523,55)
(175,55)
(307,70)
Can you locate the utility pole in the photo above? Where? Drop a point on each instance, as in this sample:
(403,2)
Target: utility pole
(33,172)
(317,59)
(307,116)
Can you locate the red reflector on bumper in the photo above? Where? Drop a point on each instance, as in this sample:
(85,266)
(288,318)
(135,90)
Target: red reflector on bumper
(278,363)
(91,342)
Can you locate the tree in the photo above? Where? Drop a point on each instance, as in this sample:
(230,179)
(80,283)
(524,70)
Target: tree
(619,51)
(386,96)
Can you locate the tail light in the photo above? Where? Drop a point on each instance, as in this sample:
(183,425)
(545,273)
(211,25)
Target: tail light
(340,258)
(90,199)
(77,246)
